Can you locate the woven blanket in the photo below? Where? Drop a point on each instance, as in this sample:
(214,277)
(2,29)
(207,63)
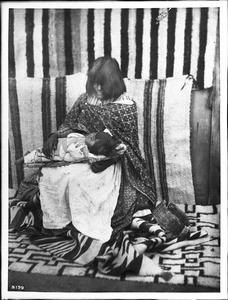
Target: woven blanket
(189,265)
(164,137)
(148,43)
(131,250)
(164,134)
(37,107)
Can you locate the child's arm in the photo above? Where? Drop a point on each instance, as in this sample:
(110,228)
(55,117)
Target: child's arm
(85,151)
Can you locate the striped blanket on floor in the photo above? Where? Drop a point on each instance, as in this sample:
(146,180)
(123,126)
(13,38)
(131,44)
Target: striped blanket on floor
(190,264)
(131,251)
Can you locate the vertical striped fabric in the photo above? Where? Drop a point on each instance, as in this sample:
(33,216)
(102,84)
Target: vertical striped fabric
(48,46)
(52,53)
(163,48)
(164,134)
(37,43)
(148,43)
(38,106)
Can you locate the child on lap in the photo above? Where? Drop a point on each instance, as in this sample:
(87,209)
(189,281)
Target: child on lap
(76,147)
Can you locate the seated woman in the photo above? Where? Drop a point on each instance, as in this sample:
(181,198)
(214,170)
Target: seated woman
(95,212)
(99,202)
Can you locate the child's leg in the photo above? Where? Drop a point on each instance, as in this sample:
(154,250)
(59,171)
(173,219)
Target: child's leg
(150,226)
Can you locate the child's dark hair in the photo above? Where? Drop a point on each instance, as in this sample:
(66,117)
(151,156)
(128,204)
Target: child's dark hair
(105,145)
(105,71)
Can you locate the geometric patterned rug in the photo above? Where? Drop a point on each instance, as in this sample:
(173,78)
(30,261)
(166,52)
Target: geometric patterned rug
(196,265)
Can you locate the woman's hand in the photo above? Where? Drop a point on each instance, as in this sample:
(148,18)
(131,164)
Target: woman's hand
(121,148)
(50,145)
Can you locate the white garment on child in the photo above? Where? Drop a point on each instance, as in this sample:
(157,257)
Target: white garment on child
(74,193)
(69,149)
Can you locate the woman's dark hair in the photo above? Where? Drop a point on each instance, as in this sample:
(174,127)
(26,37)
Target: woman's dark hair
(105,71)
(105,145)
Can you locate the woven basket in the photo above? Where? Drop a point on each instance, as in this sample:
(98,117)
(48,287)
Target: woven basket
(172,219)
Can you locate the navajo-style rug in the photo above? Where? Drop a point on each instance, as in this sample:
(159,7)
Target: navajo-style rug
(191,265)
(148,43)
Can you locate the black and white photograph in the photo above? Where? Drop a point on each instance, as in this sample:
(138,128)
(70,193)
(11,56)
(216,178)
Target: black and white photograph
(114,149)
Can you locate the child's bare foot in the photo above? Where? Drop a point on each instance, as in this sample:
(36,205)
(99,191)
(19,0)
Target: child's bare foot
(20,161)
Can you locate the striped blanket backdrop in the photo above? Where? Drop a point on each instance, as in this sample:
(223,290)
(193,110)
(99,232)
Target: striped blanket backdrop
(148,43)
(51,49)
(37,106)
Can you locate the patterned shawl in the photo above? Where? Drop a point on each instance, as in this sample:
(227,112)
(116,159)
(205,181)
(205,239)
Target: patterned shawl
(137,189)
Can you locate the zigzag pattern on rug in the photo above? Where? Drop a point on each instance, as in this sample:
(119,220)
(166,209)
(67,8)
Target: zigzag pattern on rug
(194,265)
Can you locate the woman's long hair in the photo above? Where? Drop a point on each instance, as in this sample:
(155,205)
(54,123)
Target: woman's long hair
(105,72)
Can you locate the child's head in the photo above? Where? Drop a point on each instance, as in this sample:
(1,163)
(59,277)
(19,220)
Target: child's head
(101,143)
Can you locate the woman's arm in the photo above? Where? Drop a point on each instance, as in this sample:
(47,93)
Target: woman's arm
(100,166)
(67,127)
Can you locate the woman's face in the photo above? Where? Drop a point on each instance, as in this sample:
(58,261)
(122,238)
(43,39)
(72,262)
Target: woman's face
(90,139)
(99,92)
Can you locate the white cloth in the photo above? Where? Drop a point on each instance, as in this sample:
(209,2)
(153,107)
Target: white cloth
(74,193)
(69,149)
